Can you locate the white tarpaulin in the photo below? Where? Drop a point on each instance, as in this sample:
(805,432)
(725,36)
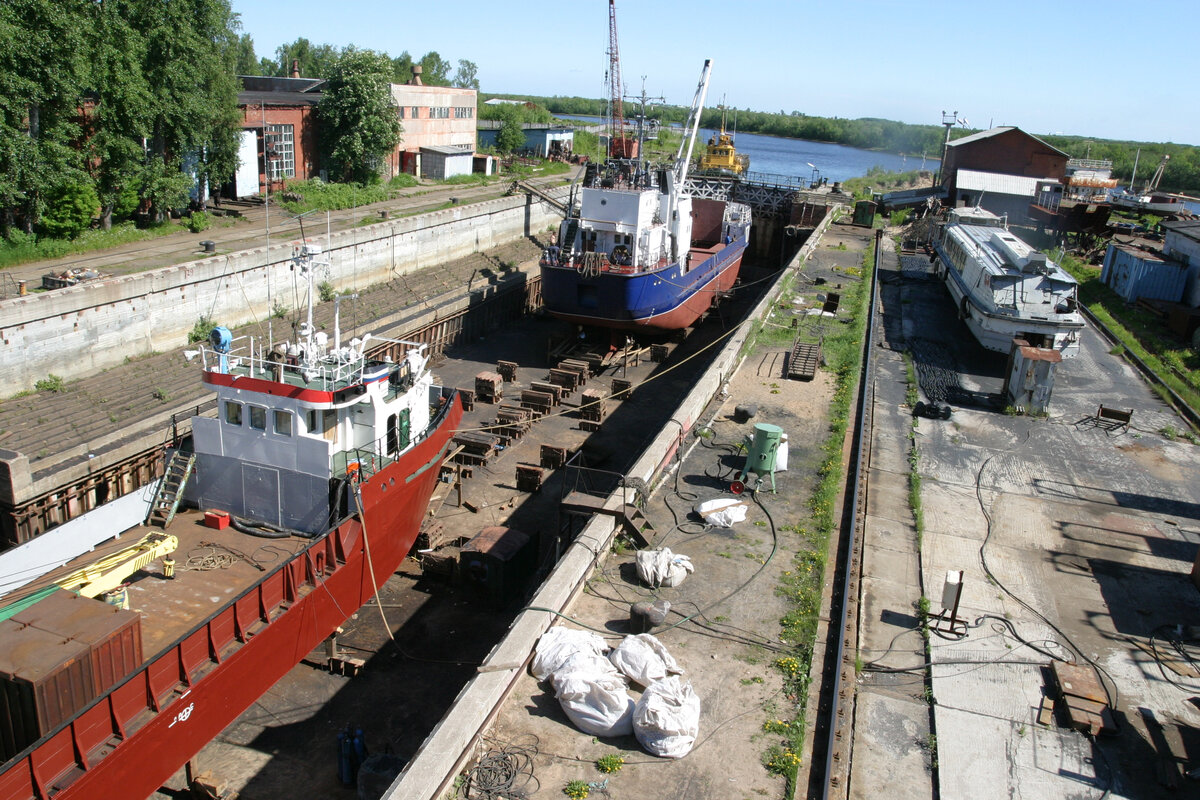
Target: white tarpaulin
(666,720)
(662,567)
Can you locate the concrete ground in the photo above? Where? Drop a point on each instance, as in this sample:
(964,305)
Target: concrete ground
(1076,544)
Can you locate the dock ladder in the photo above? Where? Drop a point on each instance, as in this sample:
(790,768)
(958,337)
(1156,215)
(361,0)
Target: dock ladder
(170,491)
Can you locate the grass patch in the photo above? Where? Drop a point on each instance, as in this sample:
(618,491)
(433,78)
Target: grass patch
(51,383)
(802,584)
(20,248)
(1137,331)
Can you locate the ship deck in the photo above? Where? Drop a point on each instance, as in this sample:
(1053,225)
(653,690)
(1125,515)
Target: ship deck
(212,567)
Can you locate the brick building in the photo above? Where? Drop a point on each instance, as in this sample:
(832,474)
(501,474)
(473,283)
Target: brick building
(280,130)
(1005,151)
(279,133)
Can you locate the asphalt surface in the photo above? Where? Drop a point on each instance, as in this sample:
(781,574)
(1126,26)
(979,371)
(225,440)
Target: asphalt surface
(1076,545)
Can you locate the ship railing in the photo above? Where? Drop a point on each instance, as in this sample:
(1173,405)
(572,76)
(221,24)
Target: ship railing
(334,370)
(363,462)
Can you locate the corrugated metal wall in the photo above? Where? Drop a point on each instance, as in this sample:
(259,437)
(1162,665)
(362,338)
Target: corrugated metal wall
(1133,275)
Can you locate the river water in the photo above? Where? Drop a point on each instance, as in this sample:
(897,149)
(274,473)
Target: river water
(800,158)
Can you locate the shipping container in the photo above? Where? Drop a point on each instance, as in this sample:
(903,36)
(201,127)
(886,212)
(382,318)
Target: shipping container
(496,565)
(113,635)
(1134,273)
(45,678)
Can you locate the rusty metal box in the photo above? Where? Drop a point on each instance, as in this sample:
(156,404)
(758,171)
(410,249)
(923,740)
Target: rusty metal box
(113,636)
(44,680)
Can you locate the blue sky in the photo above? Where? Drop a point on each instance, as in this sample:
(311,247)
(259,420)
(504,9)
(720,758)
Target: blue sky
(1107,69)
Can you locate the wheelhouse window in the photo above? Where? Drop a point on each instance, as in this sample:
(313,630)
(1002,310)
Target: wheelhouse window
(283,422)
(258,418)
(233,413)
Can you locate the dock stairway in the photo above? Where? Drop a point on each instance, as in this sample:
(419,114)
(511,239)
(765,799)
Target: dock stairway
(634,524)
(170,491)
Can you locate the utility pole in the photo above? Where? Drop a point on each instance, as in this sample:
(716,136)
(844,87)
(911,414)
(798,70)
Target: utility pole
(948,121)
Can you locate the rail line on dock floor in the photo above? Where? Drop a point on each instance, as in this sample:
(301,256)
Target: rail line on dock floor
(831,750)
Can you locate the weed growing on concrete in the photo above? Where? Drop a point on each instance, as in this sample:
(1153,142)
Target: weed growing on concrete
(51,383)
(1168,432)
(161,395)
(610,763)
(576,790)
(201,330)
(326,291)
(911,394)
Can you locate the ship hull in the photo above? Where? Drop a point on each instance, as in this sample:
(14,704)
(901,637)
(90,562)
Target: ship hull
(129,742)
(661,301)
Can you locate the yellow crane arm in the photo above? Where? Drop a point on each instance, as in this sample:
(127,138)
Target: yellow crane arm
(111,571)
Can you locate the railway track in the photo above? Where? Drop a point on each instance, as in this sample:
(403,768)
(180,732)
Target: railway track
(831,752)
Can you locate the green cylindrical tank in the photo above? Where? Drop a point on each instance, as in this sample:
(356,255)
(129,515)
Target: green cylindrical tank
(760,459)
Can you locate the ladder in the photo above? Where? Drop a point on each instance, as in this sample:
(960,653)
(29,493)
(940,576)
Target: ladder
(637,527)
(175,476)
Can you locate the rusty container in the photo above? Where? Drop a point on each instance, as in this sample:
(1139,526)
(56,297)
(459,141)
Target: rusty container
(112,635)
(44,680)
(496,566)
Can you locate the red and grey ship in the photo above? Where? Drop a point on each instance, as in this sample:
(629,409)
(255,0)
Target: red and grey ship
(637,252)
(328,453)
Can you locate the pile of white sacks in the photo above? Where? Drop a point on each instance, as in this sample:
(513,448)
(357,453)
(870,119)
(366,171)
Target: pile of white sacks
(593,689)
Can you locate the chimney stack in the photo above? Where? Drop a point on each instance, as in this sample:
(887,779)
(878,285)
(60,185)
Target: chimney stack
(295,68)
(416,78)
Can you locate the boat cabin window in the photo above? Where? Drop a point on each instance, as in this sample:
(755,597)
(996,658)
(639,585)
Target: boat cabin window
(258,418)
(283,422)
(233,413)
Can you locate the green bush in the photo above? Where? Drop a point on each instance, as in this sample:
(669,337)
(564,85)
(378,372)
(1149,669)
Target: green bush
(403,181)
(69,210)
(326,291)
(51,383)
(201,330)
(316,195)
(199,221)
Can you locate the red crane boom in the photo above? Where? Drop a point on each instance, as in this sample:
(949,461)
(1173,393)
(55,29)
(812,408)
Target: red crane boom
(619,145)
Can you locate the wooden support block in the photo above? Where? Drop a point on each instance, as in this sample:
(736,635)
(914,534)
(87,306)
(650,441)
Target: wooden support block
(580,368)
(537,402)
(589,425)
(489,387)
(622,388)
(594,362)
(553,457)
(567,379)
(660,352)
(468,398)
(555,391)
(1046,712)
(592,406)
(507,370)
(529,478)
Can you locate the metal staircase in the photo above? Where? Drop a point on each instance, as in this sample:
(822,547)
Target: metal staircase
(170,491)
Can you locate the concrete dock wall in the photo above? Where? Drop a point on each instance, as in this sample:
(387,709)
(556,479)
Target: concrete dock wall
(84,329)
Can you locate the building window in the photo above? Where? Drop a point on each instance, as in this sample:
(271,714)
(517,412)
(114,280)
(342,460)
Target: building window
(416,112)
(401,112)
(258,418)
(281,152)
(233,413)
(439,112)
(283,422)
(463,112)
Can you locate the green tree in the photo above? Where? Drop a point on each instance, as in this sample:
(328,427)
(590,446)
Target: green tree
(314,61)
(122,112)
(247,61)
(189,66)
(467,76)
(42,72)
(360,125)
(435,69)
(69,210)
(402,68)
(510,136)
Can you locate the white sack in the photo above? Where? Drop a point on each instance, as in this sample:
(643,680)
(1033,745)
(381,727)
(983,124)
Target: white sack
(781,454)
(643,659)
(666,720)
(558,644)
(662,567)
(593,695)
(722,512)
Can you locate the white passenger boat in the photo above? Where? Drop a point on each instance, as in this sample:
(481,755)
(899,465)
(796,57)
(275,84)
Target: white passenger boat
(1004,288)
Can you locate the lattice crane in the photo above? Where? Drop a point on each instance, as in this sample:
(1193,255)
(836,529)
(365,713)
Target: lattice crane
(619,145)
